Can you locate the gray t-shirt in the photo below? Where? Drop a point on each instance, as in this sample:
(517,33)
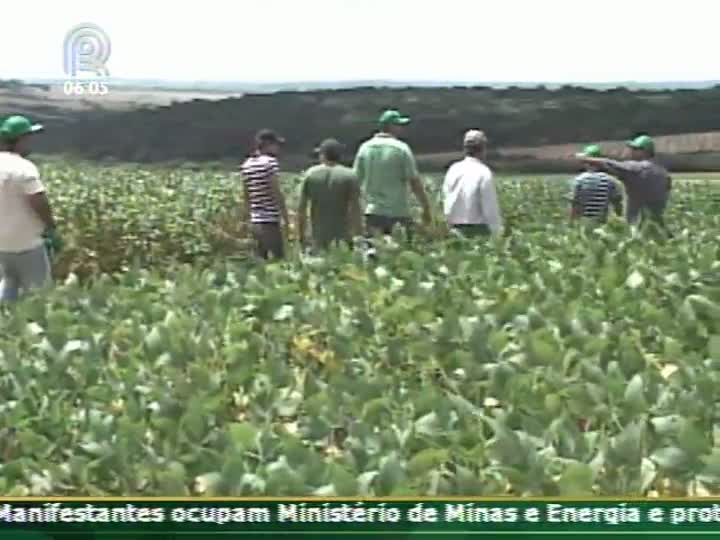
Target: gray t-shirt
(647,184)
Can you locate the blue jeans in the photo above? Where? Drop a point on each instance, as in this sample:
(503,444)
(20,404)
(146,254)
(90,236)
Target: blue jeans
(22,272)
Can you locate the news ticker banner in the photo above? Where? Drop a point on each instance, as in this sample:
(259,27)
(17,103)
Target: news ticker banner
(312,518)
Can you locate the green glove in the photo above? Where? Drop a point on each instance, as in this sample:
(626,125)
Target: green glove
(53,242)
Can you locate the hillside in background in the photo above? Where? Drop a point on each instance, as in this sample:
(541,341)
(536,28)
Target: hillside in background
(263,87)
(204,130)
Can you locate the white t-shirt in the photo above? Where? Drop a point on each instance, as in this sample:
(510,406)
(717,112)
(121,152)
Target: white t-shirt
(469,195)
(20,227)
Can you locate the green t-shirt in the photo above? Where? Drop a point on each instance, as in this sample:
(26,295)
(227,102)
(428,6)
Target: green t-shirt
(330,190)
(384,165)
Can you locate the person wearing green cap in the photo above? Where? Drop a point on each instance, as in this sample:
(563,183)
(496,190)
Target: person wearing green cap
(647,183)
(332,192)
(27,226)
(593,191)
(385,167)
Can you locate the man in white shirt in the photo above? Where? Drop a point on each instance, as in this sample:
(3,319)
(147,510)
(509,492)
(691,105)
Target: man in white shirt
(26,219)
(469,195)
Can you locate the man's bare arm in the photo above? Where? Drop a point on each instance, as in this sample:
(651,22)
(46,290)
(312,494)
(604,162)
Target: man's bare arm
(356,222)
(575,201)
(607,165)
(280,200)
(302,216)
(245,205)
(616,200)
(490,206)
(621,169)
(419,192)
(41,206)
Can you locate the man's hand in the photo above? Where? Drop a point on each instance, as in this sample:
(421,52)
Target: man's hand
(40,204)
(618,207)
(440,229)
(53,242)
(245,210)
(419,191)
(286,232)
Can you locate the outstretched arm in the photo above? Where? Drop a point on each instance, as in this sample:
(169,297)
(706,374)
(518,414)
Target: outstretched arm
(624,170)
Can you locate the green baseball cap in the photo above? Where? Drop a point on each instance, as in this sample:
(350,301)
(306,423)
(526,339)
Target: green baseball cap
(17,126)
(592,151)
(643,142)
(394,117)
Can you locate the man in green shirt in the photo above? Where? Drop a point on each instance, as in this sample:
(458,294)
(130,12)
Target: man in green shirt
(333,193)
(385,166)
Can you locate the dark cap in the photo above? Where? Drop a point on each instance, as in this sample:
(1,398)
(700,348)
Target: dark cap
(330,144)
(330,148)
(268,136)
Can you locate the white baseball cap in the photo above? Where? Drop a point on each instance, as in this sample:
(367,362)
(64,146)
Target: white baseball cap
(474,137)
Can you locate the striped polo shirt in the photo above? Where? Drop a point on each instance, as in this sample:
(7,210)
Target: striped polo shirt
(592,194)
(258,171)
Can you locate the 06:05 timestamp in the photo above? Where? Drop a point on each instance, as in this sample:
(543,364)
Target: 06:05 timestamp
(85,88)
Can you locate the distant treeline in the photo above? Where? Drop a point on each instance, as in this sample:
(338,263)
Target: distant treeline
(218,130)
(11,84)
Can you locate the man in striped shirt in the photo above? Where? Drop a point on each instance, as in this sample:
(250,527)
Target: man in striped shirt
(594,191)
(264,201)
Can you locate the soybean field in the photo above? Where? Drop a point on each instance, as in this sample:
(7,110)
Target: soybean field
(560,359)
